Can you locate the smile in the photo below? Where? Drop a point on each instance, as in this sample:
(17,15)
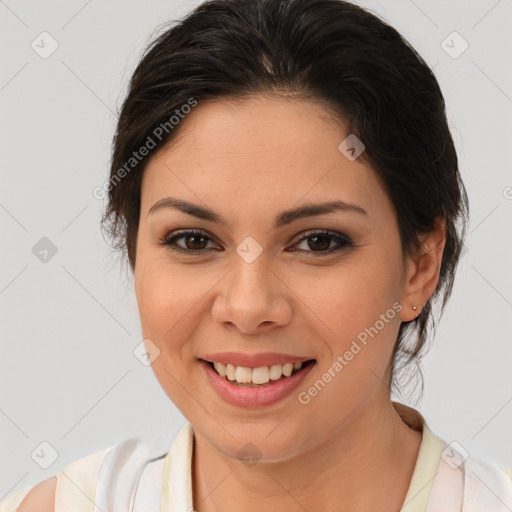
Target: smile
(261,385)
(258,376)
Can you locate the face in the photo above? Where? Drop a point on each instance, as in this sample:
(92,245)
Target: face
(256,288)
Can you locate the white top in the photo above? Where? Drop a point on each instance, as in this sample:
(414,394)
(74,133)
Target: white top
(128,477)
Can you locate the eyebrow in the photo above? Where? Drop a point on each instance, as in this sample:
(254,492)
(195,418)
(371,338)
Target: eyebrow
(284,218)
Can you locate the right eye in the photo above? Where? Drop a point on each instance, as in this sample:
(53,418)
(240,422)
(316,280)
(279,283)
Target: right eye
(194,242)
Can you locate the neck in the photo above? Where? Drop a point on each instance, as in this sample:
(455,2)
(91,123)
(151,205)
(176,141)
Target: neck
(367,463)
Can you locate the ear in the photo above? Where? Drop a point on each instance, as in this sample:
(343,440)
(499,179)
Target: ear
(422,272)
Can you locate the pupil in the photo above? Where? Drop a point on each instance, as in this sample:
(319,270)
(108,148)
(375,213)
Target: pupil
(315,238)
(194,239)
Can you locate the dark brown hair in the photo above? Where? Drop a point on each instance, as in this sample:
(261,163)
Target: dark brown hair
(330,51)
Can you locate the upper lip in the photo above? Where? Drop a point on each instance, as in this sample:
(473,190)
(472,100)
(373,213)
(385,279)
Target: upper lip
(254,360)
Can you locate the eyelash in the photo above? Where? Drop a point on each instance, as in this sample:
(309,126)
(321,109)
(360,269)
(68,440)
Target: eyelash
(344,241)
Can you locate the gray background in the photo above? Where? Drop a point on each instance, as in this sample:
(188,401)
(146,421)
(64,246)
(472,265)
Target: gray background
(69,325)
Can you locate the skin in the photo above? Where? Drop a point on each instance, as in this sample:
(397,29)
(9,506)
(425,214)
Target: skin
(248,161)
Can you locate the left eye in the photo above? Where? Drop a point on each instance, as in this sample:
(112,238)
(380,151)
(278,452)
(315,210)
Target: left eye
(319,241)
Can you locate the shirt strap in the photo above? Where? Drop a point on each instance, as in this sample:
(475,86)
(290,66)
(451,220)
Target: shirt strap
(119,475)
(149,488)
(177,488)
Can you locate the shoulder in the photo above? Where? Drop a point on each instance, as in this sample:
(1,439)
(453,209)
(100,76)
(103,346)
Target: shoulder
(480,485)
(43,495)
(106,475)
(487,483)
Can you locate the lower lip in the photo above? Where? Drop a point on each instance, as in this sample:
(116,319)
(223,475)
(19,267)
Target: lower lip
(255,397)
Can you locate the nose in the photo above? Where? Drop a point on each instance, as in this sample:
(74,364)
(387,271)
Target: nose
(253,298)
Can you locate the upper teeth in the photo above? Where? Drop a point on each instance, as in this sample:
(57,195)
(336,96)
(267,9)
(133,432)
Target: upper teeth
(260,375)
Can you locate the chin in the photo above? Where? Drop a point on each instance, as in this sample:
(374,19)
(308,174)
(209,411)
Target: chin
(263,442)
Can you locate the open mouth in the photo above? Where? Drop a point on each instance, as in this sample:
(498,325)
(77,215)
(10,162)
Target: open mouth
(262,376)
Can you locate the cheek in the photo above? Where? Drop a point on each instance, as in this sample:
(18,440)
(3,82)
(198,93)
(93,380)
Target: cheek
(350,297)
(166,308)
(173,303)
(358,317)
(163,299)
(357,314)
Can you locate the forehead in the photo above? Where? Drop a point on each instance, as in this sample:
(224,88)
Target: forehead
(259,151)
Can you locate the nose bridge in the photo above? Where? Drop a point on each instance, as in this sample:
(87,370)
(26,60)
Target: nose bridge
(251,275)
(252,293)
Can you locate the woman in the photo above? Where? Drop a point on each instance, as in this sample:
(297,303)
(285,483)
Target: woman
(286,189)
